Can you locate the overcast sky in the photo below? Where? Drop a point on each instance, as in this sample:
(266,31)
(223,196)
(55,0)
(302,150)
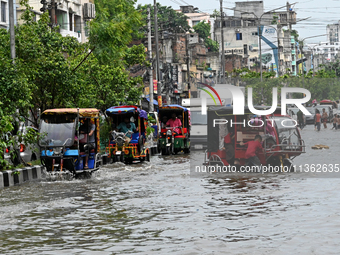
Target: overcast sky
(320,12)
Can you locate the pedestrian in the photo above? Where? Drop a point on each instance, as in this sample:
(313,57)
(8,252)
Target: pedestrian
(335,122)
(338,122)
(317,120)
(300,119)
(324,117)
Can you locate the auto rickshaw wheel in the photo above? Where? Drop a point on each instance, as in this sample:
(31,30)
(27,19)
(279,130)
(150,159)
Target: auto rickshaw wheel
(288,163)
(140,144)
(269,143)
(168,150)
(215,160)
(147,157)
(122,157)
(128,161)
(187,150)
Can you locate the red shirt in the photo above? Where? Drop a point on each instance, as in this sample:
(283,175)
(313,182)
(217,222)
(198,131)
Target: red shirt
(317,117)
(253,146)
(227,138)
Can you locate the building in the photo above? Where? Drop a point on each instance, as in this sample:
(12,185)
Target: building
(4,14)
(241,33)
(71,16)
(194,16)
(333,32)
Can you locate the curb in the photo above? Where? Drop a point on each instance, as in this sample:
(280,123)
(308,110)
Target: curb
(8,179)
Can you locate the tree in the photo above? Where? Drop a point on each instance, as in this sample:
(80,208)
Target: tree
(203,30)
(117,23)
(168,19)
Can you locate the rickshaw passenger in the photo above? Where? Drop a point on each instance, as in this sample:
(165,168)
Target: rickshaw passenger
(252,148)
(174,122)
(228,147)
(126,126)
(91,141)
(164,121)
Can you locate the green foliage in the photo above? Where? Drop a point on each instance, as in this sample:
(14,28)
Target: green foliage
(212,45)
(215,14)
(168,19)
(322,86)
(203,30)
(52,71)
(149,129)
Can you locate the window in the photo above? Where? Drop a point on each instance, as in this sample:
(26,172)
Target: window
(61,19)
(70,16)
(3,11)
(195,22)
(238,36)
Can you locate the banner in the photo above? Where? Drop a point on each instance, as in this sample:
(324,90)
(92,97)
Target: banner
(155,86)
(269,47)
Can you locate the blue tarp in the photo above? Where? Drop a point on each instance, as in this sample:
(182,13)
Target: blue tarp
(121,110)
(154,101)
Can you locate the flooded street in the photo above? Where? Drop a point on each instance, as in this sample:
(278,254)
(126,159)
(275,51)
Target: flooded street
(159,208)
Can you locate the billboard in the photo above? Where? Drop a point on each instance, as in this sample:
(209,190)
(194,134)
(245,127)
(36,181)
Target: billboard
(269,47)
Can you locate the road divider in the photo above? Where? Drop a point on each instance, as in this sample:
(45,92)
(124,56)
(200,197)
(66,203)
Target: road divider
(10,178)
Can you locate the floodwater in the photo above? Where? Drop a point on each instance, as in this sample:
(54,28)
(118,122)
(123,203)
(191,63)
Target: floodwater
(159,208)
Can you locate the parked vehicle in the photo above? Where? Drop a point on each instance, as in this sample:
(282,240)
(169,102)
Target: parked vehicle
(282,142)
(332,104)
(198,132)
(65,143)
(117,148)
(170,141)
(21,152)
(310,118)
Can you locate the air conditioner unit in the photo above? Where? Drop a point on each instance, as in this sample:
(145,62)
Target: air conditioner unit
(93,8)
(89,11)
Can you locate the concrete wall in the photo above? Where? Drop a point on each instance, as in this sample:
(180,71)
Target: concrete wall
(250,6)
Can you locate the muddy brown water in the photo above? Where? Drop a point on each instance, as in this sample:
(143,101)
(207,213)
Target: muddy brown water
(159,208)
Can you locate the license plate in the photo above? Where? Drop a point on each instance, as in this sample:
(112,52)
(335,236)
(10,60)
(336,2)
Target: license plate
(198,146)
(118,152)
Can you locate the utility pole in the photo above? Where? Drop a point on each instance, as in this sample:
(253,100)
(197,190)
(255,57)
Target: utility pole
(53,5)
(260,47)
(188,60)
(159,89)
(150,57)
(11,29)
(222,46)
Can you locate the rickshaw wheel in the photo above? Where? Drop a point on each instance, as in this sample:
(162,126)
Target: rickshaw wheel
(215,160)
(122,157)
(147,158)
(269,143)
(168,150)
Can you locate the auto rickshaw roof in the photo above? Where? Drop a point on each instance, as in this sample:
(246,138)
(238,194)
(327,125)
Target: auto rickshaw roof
(229,109)
(173,106)
(83,112)
(122,109)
